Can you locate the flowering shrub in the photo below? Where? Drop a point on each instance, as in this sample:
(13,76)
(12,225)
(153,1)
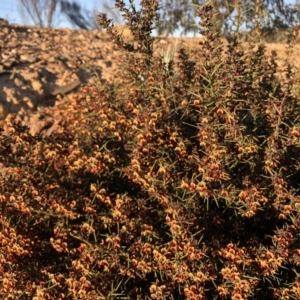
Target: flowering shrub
(174,182)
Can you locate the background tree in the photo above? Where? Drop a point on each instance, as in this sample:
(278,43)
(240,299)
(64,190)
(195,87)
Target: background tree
(87,19)
(229,15)
(78,16)
(41,12)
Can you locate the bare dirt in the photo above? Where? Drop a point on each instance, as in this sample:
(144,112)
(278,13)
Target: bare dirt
(40,68)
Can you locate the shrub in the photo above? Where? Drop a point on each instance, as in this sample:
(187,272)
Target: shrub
(177,181)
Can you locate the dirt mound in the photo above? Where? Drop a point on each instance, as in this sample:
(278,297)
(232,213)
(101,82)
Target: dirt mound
(40,67)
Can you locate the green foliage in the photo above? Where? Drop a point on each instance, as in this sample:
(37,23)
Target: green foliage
(180,180)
